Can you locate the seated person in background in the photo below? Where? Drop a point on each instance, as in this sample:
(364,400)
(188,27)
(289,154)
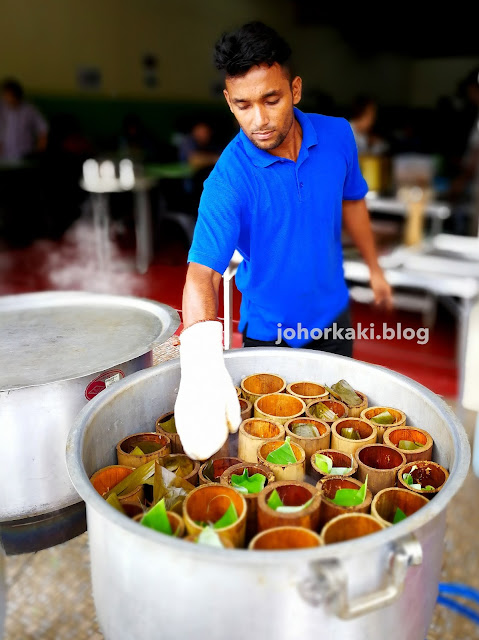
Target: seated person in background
(199,148)
(23,130)
(363,117)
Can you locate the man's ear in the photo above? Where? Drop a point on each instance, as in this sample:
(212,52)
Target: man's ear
(296,88)
(227,98)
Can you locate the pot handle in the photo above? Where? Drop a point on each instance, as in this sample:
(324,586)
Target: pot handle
(327,583)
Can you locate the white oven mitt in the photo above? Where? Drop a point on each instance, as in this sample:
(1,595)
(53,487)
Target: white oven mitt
(207,406)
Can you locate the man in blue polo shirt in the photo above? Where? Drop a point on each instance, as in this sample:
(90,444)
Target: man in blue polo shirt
(279,194)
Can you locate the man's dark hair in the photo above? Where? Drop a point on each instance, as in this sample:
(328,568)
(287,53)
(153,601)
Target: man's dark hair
(252,44)
(14,87)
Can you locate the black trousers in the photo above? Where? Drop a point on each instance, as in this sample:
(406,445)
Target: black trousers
(342,347)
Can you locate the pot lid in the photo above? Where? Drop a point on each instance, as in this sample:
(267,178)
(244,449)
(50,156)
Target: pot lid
(53,336)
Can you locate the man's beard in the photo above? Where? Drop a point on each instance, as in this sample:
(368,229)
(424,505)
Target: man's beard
(273,144)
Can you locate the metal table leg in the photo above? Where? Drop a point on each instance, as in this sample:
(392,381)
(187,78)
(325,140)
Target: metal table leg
(101,225)
(143,230)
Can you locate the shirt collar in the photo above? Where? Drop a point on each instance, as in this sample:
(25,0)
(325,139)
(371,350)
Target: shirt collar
(262,158)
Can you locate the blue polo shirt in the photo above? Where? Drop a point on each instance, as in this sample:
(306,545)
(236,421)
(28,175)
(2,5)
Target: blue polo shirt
(284,218)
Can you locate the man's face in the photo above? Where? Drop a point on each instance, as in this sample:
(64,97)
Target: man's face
(262,102)
(9,98)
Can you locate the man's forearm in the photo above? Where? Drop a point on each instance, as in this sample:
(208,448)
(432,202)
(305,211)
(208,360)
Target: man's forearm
(200,295)
(357,224)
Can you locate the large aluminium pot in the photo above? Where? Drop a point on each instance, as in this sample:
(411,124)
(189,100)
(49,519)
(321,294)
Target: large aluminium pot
(57,351)
(2,593)
(148,585)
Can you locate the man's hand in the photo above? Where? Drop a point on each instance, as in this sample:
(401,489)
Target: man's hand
(383,295)
(207,406)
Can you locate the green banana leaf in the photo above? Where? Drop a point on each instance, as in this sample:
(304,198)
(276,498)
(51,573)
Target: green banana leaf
(343,391)
(177,464)
(283,455)
(305,430)
(169,425)
(275,503)
(399,515)
(323,412)
(135,479)
(171,487)
(383,418)
(137,452)
(350,433)
(351,497)
(149,447)
(246,484)
(115,503)
(157,518)
(229,517)
(408,445)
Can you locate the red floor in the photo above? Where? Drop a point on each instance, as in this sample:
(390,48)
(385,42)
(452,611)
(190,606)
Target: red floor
(72,265)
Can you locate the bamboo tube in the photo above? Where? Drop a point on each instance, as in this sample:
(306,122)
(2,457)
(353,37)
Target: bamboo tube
(238,392)
(133,509)
(279,407)
(339,459)
(349,526)
(292,494)
(176,522)
(310,445)
(355,412)
(366,430)
(125,446)
(370,412)
(251,498)
(254,432)
(339,408)
(260,384)
(294,471)
(219,467)
(327,491)
(285,538)
(175,441)
(427,473)
(192,476)
(108,477)
(246,409)
(208,503)
(307,391)
(394,435)
(380,463)
(387,501)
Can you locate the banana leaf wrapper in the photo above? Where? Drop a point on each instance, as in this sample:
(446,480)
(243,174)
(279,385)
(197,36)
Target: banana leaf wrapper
(131,482)
(171,487)
(383,418)
(343,391)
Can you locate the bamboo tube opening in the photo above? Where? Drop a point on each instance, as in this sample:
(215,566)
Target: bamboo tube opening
(260,384)
(394,435)
(177,524)
(105,479)
(349,526)
(209,502)
(337,407)
(388,501)
(219,466)
(237,469)
(339,459)
(257,428)
(292,495)
(285,538)
(322,427)
(174,438)
(238,392)
(307,391)
(427,473)
(265,449)
(380,456)
(187,468)
(280,405)
(246,409)
(128,444)
(166,417)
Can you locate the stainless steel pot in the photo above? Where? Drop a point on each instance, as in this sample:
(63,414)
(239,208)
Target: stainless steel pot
(146,584)
(2,594)
(58,350)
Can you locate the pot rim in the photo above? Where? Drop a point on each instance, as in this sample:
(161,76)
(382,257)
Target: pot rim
(242,557)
